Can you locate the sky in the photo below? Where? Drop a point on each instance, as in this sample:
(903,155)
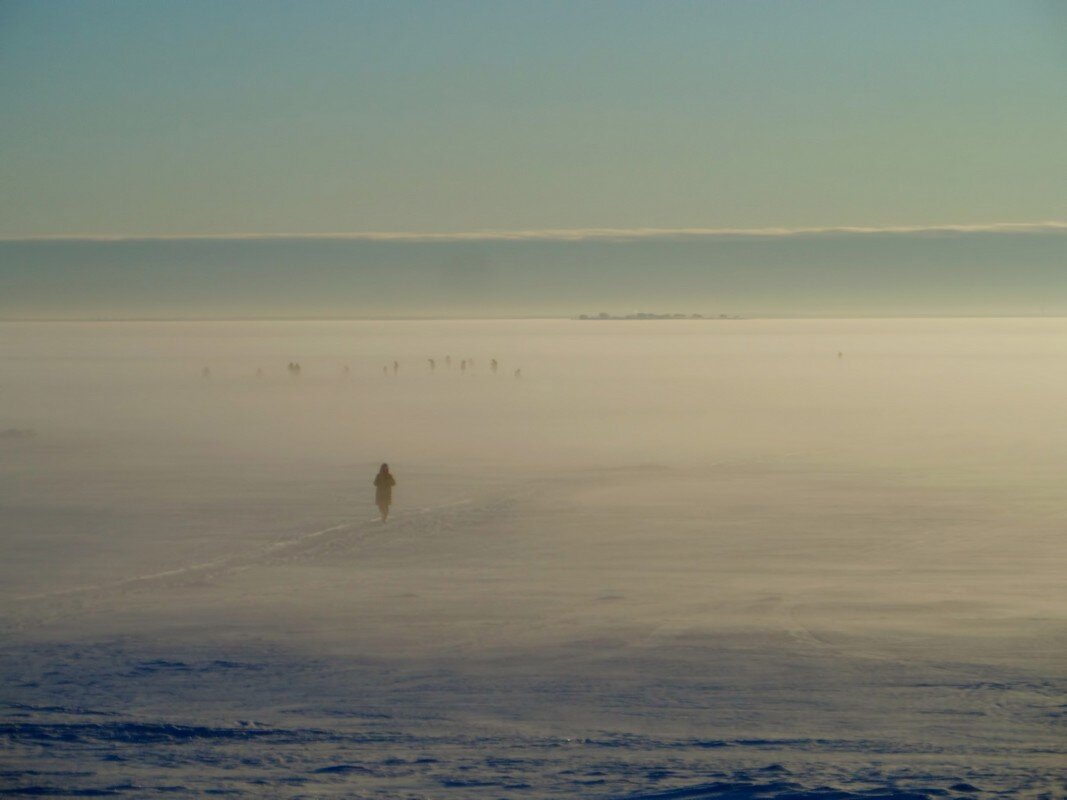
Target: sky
(160,120)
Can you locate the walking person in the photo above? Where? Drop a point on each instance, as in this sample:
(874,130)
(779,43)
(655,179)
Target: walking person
(383,492)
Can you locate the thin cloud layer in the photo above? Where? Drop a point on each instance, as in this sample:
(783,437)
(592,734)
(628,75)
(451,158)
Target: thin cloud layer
(572,234)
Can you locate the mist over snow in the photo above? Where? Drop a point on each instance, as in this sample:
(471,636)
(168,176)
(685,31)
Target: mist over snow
(707,559)
(782,518)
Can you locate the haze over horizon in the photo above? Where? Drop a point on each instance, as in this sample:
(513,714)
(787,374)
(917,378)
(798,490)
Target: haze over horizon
(1000,271)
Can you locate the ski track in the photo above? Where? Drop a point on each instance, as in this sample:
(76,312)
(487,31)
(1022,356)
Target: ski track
(36,609)
(287,546)
(224,562)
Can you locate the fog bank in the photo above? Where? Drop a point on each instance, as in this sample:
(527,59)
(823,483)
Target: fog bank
(937,273)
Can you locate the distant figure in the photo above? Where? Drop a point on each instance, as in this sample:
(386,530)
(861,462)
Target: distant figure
(493,366)
(840,354)
(463,365)
(433,364)
(18,433)
(383,492)
(448,361)
(259,372)
(346,370)
(294,369)
(385,372)
(205,373)
(396,366)
(518,373)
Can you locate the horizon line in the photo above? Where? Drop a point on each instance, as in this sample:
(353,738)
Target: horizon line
(711,317)
(563,234)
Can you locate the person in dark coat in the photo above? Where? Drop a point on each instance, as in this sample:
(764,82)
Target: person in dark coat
(383,492)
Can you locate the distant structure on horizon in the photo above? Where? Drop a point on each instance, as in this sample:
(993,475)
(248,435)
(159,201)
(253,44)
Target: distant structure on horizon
(650,315)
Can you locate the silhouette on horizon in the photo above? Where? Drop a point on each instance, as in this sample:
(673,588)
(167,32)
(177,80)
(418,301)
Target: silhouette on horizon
(493,366)
(383,491)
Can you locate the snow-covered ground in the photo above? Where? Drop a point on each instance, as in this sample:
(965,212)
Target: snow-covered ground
(683,559)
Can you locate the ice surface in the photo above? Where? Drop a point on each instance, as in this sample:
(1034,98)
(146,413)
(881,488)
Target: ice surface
(674,559)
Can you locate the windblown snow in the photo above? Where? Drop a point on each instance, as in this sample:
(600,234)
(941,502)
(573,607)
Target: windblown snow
(659,559)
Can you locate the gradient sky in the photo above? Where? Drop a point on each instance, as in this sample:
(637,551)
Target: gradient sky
(172,118)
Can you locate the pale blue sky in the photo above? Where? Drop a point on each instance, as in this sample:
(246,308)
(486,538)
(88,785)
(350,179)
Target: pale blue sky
(164,118)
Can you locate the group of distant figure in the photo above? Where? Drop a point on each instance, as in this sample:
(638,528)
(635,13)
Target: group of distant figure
(464,364)
(294,368)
